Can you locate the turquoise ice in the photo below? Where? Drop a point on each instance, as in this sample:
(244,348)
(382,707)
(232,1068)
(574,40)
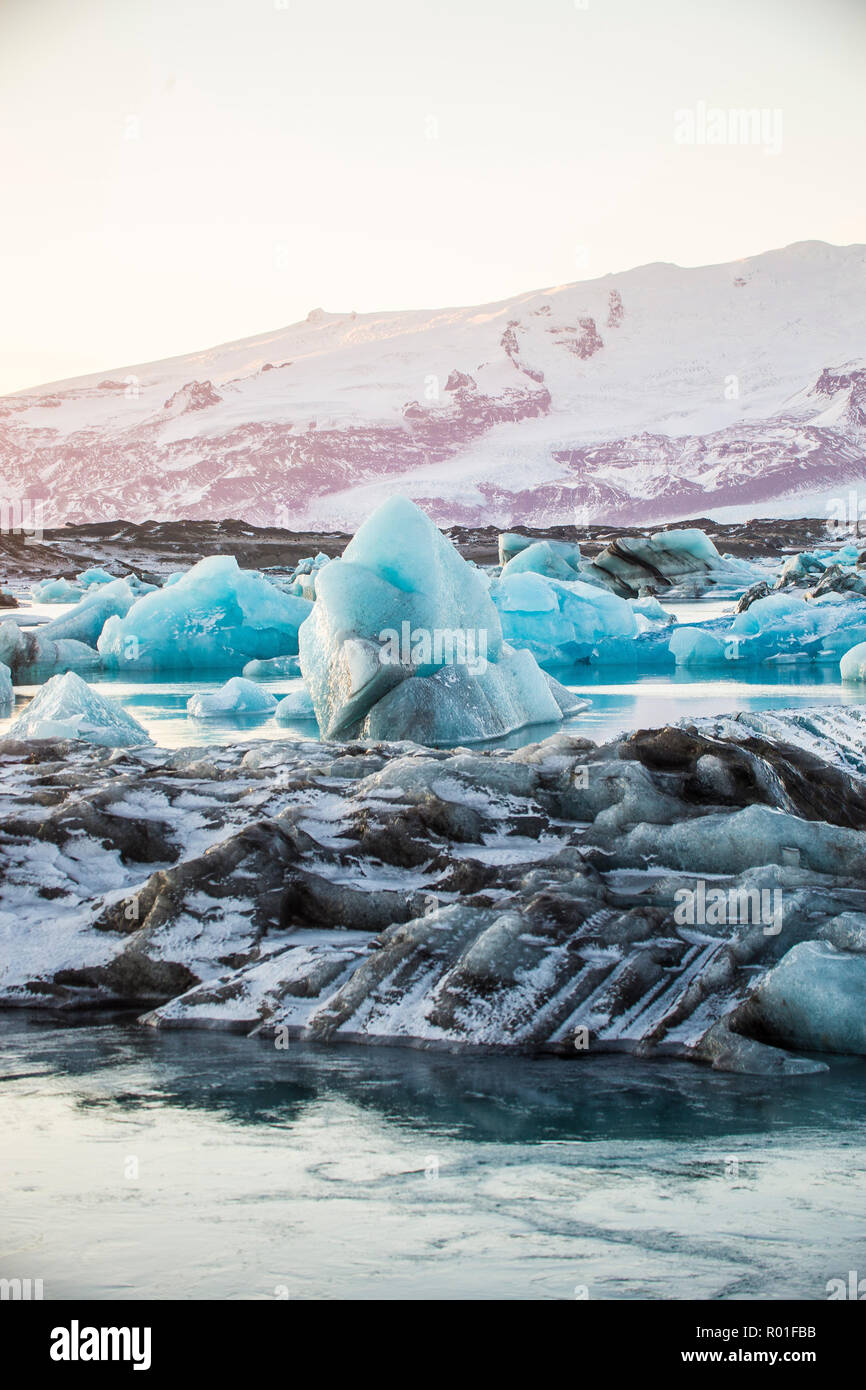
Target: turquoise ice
(84,622)
(66,707)
(216,616)
(404,642)
(783,627)
(237,696)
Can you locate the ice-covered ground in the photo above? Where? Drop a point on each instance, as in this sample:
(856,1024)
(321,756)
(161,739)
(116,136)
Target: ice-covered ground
(526,900)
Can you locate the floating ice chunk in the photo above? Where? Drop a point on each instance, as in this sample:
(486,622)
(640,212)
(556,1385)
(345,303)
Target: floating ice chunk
(405,643)
(66,707)
(303,578)
(452,706)
(32,652)
(554,559)
(813,1000)
(216,615)
(852,667)
(56,591)
(684,559)
(563,623)
(800,569)
(237,696)
(92,578)
(296,705)
(692,646)
(275,667)
(86,620)
(649,607)
(7,694)
(511,544)
(782,627)
(95,576)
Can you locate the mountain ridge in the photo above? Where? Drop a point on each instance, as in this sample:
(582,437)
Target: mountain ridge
(638,396)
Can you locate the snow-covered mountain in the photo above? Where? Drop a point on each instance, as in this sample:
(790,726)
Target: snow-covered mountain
(651,395)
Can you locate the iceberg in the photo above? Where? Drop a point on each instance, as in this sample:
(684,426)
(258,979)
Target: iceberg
(32,653)
(85,621)
(404,642)
(66,707)
(276,667)
(511,544)
(389,893)
(237,696)
(800,570)
(55,591)
(92,578)
(95,576)
(554,559)
(7,694)
(563,623)
(684,560)
(296,705)
(852,667)
(784,626)
(302,581)
(217,615)
(812,1001)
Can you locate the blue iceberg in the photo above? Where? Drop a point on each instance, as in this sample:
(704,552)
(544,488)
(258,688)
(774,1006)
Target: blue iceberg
(784,627)
(563,623)
(404,642)
(554,559)
(216,616)
(55,591)
(275,667)
(85,621)
(66,707)
(237,696)
(296,705)
(33,654)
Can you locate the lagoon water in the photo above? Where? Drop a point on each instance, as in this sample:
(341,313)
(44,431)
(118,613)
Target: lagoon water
(203,1165)
(621,699)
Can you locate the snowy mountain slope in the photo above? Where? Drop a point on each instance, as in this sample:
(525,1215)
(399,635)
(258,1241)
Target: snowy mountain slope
(649,395)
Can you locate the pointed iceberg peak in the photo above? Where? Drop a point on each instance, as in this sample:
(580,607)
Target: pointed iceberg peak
(405,642)
(400,543)
(66,707)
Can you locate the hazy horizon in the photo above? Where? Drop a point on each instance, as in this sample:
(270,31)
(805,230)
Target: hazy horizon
(180,178)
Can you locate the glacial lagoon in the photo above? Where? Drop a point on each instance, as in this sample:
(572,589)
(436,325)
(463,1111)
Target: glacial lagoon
(621,699)
(202,1165)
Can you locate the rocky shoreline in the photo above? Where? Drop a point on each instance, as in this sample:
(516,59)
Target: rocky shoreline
(154,548)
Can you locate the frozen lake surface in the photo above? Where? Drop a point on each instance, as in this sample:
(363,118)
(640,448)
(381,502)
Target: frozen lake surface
(200,1165)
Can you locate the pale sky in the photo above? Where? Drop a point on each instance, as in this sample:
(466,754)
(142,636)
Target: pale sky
(181,173)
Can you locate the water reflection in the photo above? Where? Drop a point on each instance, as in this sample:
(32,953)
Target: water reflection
(516,1100)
